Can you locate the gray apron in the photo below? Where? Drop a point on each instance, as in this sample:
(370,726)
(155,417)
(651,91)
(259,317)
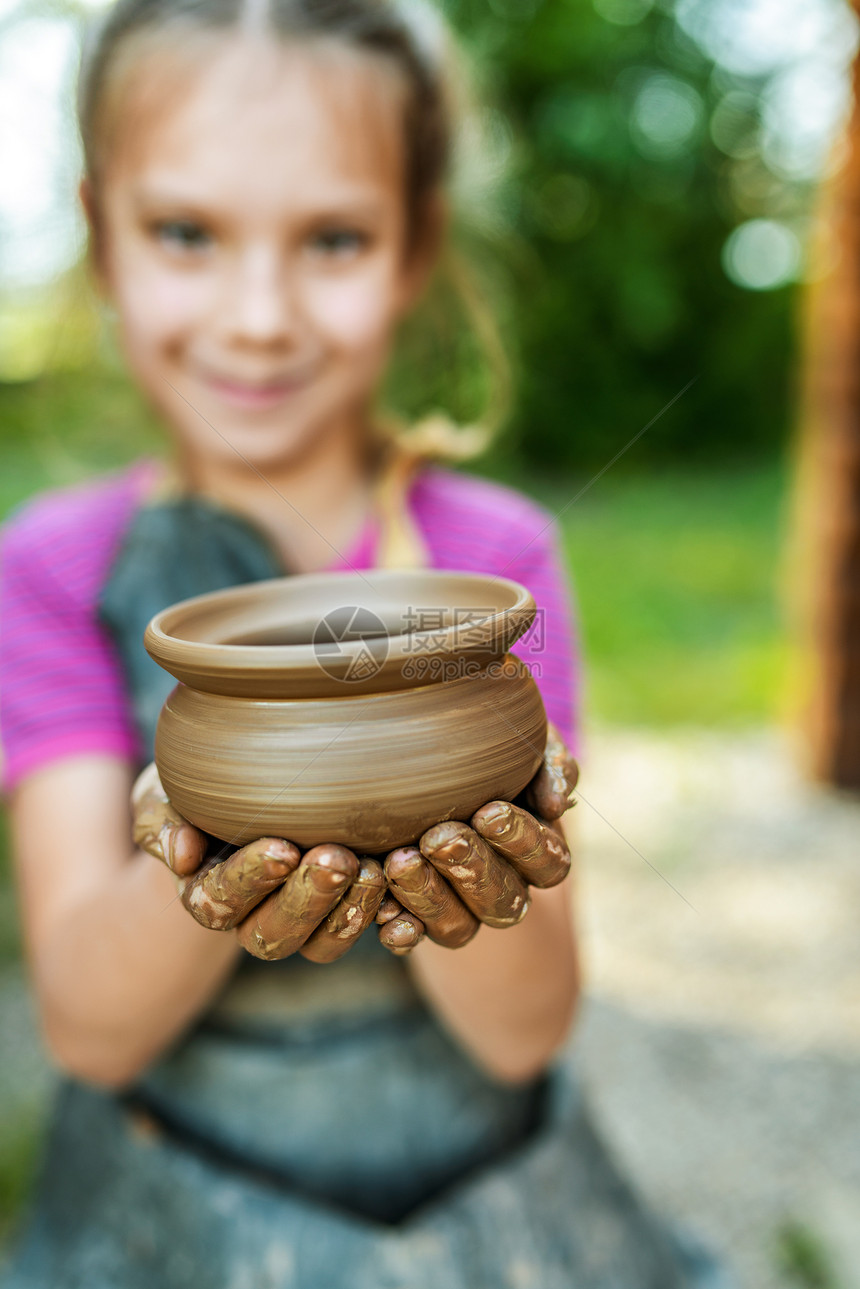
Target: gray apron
(317,1128)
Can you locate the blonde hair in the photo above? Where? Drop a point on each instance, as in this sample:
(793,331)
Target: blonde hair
(440,99)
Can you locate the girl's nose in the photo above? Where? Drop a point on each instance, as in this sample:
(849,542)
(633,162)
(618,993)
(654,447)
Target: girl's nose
(262,301)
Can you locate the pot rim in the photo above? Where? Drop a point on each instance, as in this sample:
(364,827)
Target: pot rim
(195,660)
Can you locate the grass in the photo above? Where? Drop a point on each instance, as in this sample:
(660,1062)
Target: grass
(19,1159)
(801,1256)
(675,578)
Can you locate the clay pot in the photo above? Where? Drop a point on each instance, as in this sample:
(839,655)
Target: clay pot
(358,708)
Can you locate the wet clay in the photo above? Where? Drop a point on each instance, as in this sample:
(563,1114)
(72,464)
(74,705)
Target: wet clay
(266,738)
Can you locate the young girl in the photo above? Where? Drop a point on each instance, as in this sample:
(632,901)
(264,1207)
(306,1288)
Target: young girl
(265,189)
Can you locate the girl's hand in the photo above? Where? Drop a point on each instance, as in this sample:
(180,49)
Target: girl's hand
(278,901)
(460,876)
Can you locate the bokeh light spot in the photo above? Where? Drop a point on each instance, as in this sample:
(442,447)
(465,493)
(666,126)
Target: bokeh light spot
(666,116)
(624,13)
(761,255)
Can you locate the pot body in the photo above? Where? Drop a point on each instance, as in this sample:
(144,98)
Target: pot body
(371,771)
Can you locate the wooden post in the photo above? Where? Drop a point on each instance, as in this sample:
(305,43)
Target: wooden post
(828,517)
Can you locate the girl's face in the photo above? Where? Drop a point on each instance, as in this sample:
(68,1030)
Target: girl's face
(252,240)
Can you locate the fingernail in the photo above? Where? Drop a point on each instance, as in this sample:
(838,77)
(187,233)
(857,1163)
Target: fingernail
(325,878)
(497,821)
(405,853)
(370,874)
(281,858)
(336,859)
(403,933)
(276,866)
(404,863)
(334,868)
(388,909)
(457,849)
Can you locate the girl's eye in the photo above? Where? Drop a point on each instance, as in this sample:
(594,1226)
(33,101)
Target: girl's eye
(339,240)
(183,233)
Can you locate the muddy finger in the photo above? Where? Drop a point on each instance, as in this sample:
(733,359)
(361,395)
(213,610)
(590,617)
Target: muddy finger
(352,915)
(225,891)
(485,882)
(536,851)
(420,888)
(160,830)
(401,933)
(388,909)
(282,923)
(548,794)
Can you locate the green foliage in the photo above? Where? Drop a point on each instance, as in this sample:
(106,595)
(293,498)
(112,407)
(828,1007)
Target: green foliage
(19,1158)
(618,203)
(802,1258)
(66,425)
(595,208)
(10,932)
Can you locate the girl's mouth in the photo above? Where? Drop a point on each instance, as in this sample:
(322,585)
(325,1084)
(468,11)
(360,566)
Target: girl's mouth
(253,397)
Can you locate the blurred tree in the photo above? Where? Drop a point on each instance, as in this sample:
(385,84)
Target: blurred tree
(633,157)
(617,199)
(827,548)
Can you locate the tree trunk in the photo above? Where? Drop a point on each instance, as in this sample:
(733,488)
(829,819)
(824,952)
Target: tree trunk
(828,523)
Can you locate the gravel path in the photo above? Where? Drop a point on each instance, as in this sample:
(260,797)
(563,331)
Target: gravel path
(733,1136)
(741,906)
(719,1038)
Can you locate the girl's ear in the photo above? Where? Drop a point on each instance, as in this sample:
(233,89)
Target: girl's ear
(425,255)
(88,201)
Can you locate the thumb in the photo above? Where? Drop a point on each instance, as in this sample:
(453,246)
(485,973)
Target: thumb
(160,830)
(548,793)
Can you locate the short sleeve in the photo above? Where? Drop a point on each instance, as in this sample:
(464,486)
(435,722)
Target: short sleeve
(61,687)
(480,525)
(550,648)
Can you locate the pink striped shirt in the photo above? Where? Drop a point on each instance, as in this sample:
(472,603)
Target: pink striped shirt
(62,690)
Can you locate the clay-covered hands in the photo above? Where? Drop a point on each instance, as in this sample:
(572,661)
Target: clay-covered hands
(461,875)
(280,901)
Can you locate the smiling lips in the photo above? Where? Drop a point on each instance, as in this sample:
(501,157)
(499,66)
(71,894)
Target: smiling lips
(254,396)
